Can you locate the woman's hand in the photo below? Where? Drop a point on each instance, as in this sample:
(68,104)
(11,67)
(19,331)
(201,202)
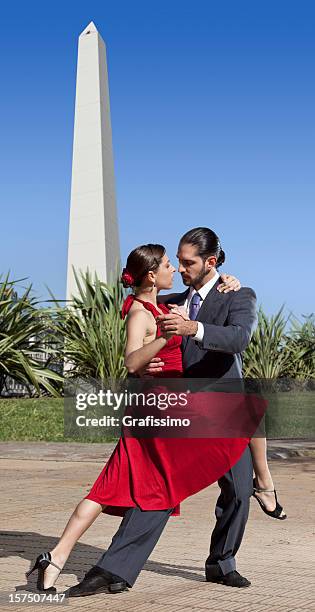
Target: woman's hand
(230,283)
(179,310)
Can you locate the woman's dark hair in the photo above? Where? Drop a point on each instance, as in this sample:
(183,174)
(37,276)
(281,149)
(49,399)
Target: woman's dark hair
(207,243)
(142,259)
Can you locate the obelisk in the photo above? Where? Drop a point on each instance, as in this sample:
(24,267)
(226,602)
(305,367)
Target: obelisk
(93,230)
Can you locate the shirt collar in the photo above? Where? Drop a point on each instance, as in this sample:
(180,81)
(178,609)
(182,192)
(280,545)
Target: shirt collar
(203,291)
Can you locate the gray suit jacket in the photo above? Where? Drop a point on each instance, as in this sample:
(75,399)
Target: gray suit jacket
(229,320)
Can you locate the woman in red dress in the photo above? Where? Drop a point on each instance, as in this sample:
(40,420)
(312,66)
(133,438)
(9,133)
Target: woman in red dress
(150,473)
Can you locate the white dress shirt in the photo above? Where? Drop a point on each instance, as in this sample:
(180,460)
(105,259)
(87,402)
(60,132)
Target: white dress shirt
(203,292)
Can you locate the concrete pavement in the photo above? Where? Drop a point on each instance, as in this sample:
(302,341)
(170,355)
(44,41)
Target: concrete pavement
(39,492)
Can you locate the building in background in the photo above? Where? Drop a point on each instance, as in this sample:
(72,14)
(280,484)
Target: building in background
(93,230)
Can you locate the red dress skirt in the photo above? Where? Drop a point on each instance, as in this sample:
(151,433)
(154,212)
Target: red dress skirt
(159,473)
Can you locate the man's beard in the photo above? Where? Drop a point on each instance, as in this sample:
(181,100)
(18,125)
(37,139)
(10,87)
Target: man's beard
(197,280)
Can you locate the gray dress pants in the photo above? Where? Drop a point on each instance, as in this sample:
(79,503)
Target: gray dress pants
(133,543)
(231,512)
(140,530)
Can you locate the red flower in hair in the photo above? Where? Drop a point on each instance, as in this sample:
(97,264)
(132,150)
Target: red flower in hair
(127,278)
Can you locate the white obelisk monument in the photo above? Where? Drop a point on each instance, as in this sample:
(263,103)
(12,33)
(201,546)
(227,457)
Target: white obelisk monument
(93,230)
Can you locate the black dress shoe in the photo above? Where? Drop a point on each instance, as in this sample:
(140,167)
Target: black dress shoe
(96,581)
(233,579)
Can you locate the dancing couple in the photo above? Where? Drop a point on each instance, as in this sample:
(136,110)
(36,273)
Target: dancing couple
(200,333)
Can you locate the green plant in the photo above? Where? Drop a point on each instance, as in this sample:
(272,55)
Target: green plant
(301,347)
(22,335)
(272,353)
(93,332)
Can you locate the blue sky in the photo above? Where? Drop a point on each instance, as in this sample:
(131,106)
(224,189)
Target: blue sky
(213,108)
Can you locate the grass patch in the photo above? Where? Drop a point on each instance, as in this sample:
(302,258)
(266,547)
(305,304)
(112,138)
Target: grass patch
(38,419)
(289,415)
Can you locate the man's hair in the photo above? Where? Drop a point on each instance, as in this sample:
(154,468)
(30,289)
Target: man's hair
(207,243)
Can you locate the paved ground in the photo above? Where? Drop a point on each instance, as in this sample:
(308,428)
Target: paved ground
(74,451)
(38,494)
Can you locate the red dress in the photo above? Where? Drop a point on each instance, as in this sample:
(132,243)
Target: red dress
(158,473)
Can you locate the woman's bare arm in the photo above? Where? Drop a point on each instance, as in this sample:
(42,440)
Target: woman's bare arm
(136,355)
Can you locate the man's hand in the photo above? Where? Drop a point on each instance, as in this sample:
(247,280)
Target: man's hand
(156,365)
(230,283)
(177,325)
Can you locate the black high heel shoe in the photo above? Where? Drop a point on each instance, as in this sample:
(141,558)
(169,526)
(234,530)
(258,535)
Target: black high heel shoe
(276,513)
(41,564)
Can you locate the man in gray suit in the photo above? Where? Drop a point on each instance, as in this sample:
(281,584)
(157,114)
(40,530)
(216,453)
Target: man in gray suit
(214,338)
(219,331)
